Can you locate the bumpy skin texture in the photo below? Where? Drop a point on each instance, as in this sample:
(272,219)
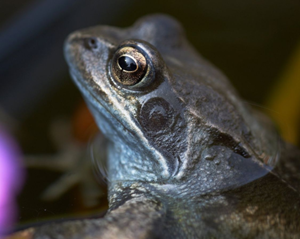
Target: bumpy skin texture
(186,158)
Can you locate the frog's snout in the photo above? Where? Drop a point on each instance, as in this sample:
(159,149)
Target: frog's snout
(73,37)
(75,44)
(68,46)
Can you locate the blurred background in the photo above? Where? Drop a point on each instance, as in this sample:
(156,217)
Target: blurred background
(254,42)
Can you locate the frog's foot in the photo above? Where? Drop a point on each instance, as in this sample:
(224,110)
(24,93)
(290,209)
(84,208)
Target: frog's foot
(75,162)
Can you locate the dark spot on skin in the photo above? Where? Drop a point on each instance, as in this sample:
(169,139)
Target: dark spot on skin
(220,138)
(156,114)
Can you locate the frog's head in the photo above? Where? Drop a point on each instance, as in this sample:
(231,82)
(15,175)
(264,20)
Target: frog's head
(172,118)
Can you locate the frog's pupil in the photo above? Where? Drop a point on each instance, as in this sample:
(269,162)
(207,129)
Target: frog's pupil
(127,63)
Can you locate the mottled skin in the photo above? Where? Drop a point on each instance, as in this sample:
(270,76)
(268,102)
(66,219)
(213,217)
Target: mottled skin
(186,157)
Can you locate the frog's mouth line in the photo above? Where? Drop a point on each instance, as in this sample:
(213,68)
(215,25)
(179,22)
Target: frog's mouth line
(86,91)
(82,85)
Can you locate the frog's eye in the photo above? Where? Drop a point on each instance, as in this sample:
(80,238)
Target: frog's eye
(129,66)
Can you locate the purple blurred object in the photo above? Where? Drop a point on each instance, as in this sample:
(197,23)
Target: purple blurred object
(11,180)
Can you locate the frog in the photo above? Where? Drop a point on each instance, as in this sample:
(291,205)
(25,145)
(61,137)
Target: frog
(186,157)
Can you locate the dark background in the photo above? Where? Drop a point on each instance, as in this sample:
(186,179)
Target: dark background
(250,41)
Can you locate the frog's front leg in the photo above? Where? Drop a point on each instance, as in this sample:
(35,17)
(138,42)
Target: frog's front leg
(139,217)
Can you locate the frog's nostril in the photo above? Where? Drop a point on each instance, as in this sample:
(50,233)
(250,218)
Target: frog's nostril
(91,43)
